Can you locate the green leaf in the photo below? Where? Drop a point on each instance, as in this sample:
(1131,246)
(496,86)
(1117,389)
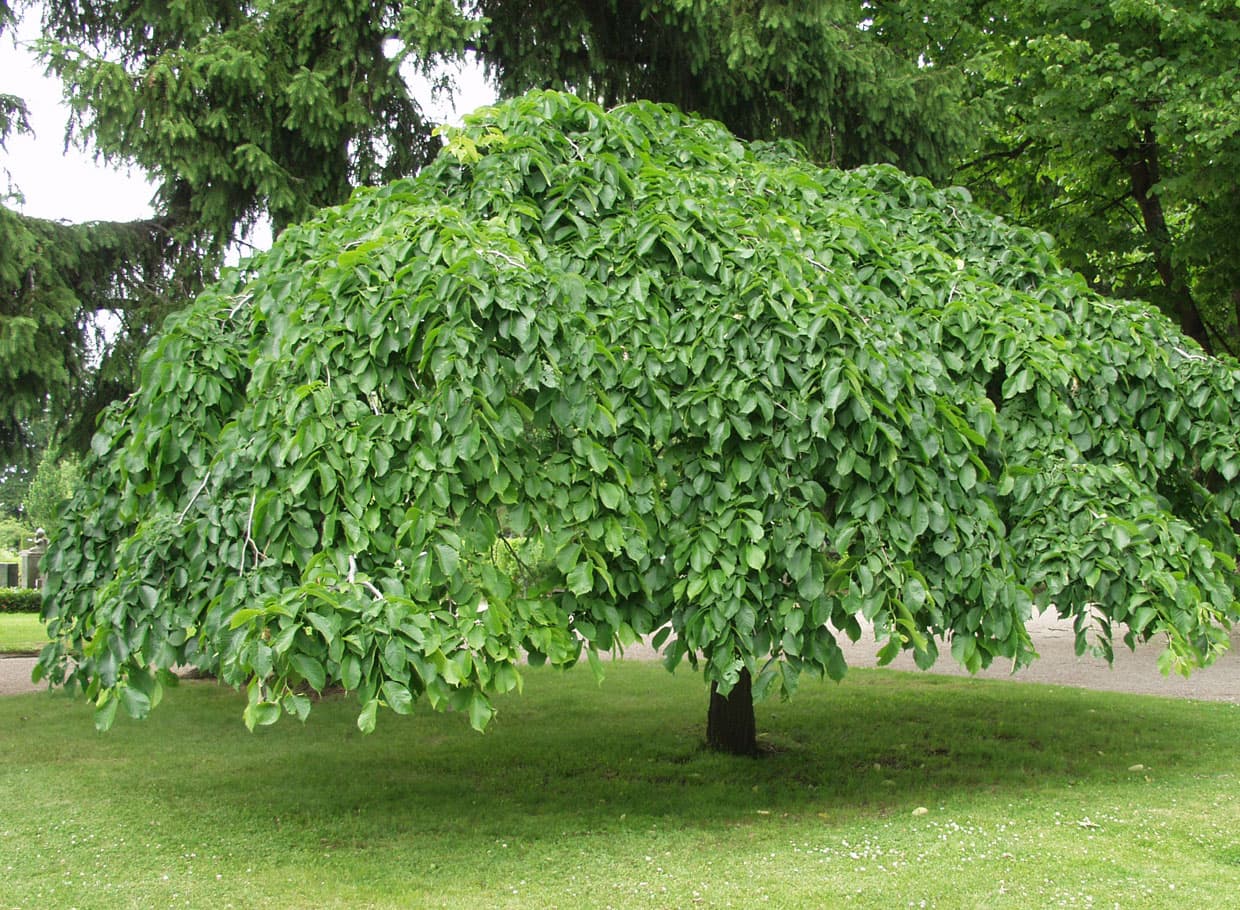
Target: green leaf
(968,476)
(350,672)
(243,616)
(610,494)
(149,597)
(480,711)
(398,697)
(1141,618)
(449,559)
(366,719)
(137,703)
(311,670)
(567,558)
(298,706)
(581,579)
(915,593)
(596,665)
(261,714)
(889,651)
(105,712)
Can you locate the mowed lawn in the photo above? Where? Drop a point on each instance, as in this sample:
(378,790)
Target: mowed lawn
(588,795)
(21,633)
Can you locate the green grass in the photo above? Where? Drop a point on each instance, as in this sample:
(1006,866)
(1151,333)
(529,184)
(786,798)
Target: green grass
(583,796)
(21,633)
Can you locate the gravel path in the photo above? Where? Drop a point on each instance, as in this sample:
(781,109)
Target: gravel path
(1058,665)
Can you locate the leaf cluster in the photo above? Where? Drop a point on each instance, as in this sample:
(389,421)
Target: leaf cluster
(695,388)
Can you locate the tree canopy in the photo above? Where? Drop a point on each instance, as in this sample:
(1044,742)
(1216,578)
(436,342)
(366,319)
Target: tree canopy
(1115,124)
(595,375)
(240,111)
(1111,123)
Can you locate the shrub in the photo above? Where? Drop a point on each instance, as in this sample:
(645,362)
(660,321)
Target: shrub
(20,600)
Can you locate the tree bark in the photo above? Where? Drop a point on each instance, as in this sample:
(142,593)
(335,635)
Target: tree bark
(730,725)
(1144,175)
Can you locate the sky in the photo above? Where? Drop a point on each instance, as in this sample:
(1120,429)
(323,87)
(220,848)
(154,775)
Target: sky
(59,184)
(71,185)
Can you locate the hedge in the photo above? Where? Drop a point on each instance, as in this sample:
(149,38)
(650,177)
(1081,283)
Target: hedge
(20,600)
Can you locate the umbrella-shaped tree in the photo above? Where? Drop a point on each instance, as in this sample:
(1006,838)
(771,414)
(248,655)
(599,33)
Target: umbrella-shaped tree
(596,375)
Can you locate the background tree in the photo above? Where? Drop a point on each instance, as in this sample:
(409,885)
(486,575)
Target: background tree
(55,480)
(726,398)
(1116,125)
(59,359)
(242,111)
(16,476)
(15,536)
(812,72)
(237,112)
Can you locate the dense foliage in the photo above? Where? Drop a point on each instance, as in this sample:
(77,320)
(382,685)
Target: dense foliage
(55,281)
(240,111)
(1111,123)
(1115,124)
(728,395)
(20,600)
(813,72)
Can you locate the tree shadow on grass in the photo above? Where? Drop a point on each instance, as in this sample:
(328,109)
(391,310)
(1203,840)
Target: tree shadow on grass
(572,754)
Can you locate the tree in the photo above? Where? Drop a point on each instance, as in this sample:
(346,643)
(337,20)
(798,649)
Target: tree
(14,536)
(1115,124)
(55,281)
(240,111)
(813,72)
(237,112)
(692,388)
(55,480)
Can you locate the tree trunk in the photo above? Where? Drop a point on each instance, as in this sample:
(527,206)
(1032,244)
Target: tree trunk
(1144,174)
(730,725)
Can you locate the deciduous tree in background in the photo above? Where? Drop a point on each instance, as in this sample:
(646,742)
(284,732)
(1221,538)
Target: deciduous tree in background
(813,72)
(1115,124)
(732,401)
(55,480)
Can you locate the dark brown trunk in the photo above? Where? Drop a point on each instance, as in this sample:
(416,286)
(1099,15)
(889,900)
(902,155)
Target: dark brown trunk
(1144,175)
(730,725)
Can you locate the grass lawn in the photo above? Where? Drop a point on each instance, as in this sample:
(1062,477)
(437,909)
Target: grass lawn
(583,796)
(21,633)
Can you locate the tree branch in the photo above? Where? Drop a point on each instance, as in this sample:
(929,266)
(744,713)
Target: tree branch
(1004,155)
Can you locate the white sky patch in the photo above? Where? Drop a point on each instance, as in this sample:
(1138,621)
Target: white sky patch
(70,185)
(58,184)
